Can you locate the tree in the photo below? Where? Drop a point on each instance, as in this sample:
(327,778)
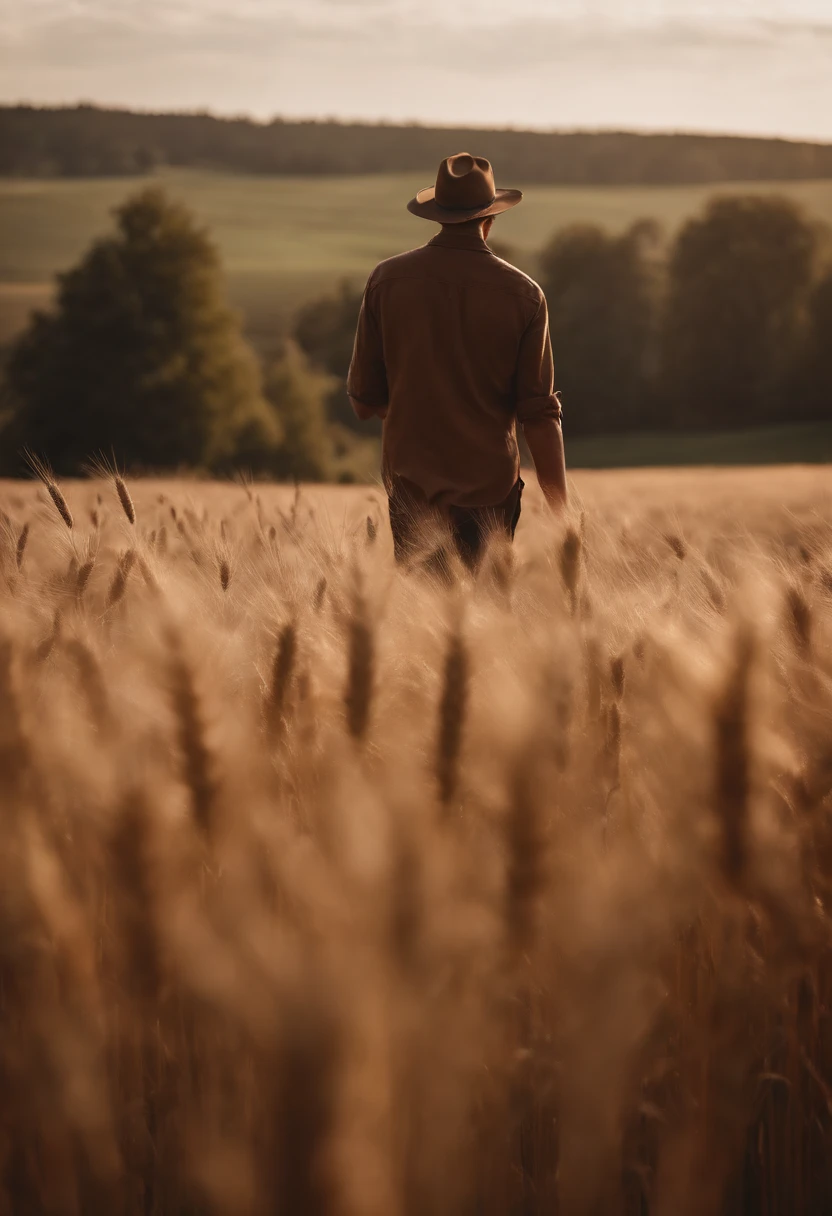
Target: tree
(141,358)
(603,293)
(325,331)
(816,368)
(297,394)
(739,284)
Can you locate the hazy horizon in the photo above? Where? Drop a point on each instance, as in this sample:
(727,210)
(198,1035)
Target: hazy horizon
(373,121)
(740,67)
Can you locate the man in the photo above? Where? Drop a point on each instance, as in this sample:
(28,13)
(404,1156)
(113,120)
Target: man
(452,349)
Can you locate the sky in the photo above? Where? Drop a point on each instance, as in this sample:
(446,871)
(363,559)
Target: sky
(745,66)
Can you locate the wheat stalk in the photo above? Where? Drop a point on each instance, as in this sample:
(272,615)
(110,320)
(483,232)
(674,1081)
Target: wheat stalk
(283,667)
(198,766)
(46,647)
(617,676)
(15,754)
(799,620)
(92,682)
(570,566)
(453,707)
(732,750)
(358,694)
(131,849)
(118,586)
(22,541)
(526,851)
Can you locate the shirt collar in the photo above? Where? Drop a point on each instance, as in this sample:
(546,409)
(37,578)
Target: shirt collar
(450,238)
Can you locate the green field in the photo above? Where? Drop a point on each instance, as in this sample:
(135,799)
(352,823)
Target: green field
(284,240)
(800,443)
(806,443)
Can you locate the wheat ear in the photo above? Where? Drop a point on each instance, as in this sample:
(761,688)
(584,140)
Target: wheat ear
(83,577)
(198,766)
(125,499)
(43,471)
(20,548)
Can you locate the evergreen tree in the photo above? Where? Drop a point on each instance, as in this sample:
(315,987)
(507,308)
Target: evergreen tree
(141,357)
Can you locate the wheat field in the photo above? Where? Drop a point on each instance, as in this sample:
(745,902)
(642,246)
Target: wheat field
(331,889)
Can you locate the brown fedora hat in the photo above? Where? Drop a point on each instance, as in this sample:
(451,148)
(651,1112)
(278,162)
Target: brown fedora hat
(464,191)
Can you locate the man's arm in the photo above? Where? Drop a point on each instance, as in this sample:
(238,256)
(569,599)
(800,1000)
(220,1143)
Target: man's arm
(545,441)
(538,407)
(367,379)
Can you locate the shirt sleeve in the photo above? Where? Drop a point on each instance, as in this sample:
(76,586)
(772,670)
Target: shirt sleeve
(535,380)
(367,379)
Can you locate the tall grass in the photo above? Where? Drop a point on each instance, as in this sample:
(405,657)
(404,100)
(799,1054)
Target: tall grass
(332,890)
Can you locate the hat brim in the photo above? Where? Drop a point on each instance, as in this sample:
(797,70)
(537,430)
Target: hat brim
(426,206)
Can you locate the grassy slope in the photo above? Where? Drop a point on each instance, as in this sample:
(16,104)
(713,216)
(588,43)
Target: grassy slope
(286,239)
(800,444)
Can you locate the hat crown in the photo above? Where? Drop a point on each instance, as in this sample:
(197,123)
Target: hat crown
(465,182)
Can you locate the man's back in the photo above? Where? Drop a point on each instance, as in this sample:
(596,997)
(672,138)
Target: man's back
(454,342)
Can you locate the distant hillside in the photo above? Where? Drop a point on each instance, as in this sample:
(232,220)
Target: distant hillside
(86,141)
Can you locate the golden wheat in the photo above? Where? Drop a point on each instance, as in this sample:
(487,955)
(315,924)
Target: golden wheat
(333,890)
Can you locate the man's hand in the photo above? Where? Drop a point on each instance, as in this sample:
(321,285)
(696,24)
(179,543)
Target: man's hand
(365,412)
(545,440)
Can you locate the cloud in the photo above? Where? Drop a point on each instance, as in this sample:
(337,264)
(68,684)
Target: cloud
(538,41)
(528,63)
(52,32)
(90,34)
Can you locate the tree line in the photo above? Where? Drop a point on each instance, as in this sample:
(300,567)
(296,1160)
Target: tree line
(727,325)
(88,141)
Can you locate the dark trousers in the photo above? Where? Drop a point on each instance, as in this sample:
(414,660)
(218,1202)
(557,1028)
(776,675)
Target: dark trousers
(467,529)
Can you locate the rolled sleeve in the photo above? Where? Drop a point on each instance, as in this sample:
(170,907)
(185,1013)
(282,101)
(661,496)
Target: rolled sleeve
(367,378)
(535,394)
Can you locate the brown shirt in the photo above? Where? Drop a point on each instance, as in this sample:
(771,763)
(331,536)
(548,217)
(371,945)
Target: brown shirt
(455,343)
